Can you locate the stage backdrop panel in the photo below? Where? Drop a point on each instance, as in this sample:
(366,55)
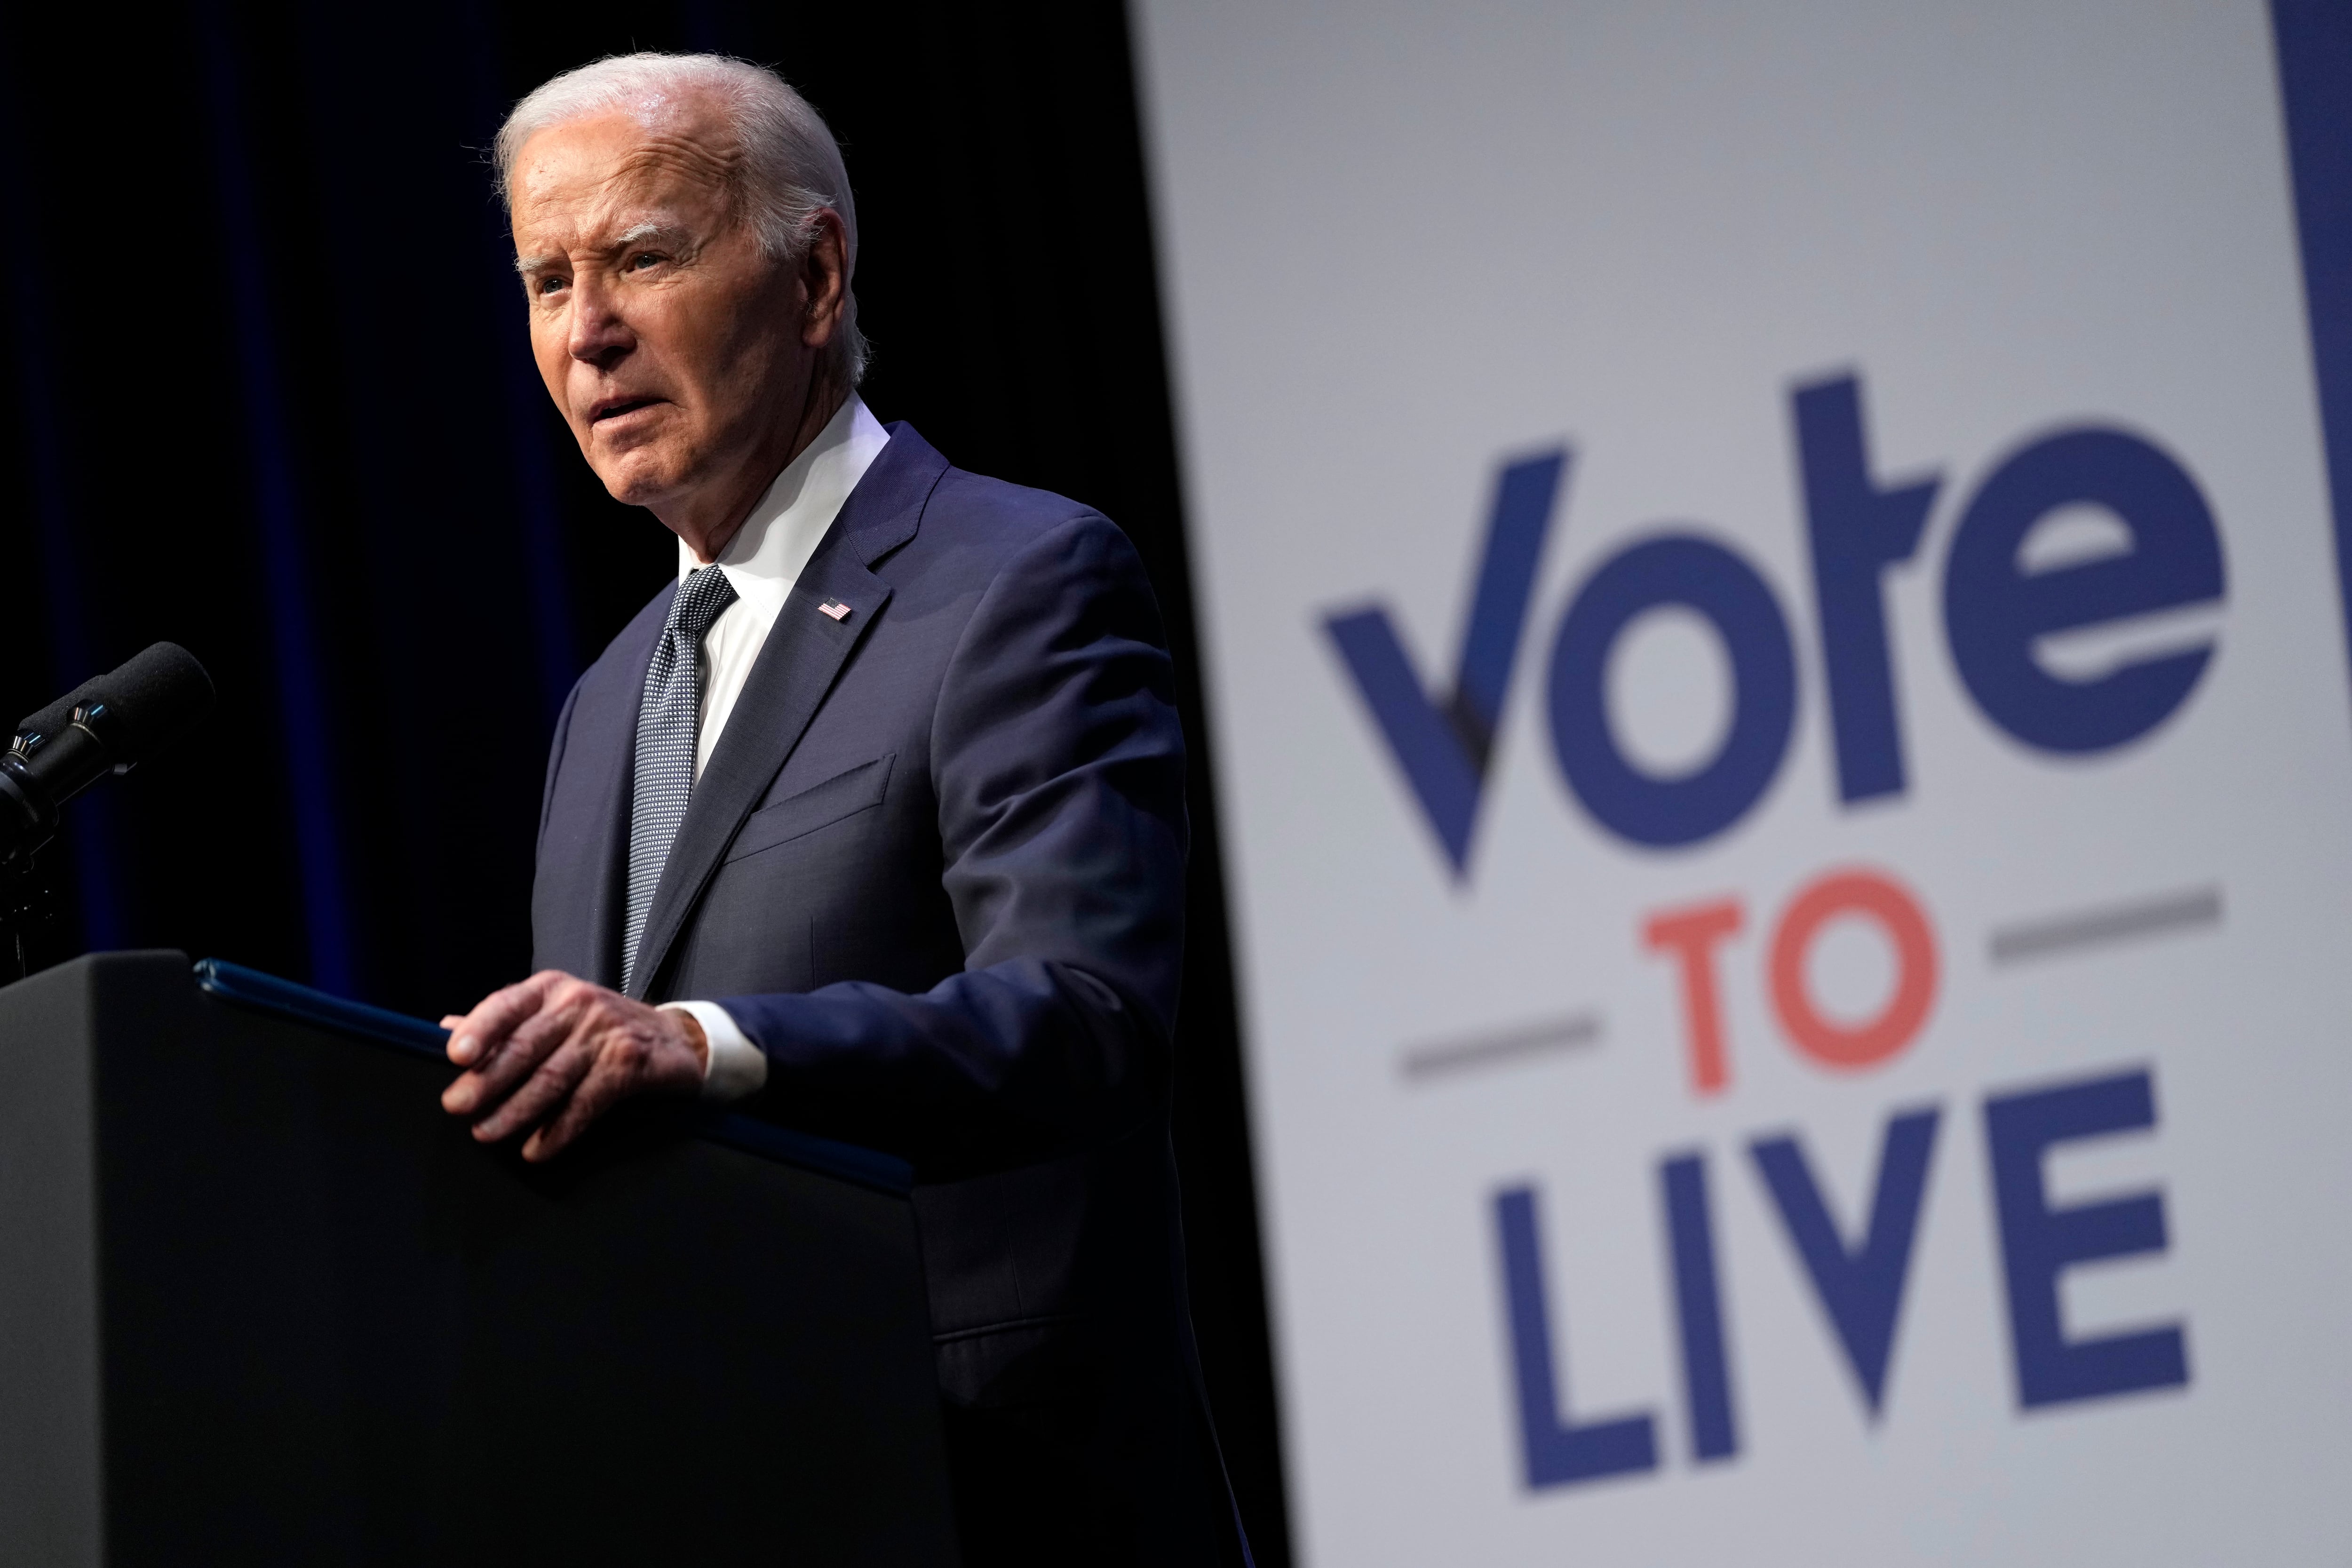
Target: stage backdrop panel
(1783,730)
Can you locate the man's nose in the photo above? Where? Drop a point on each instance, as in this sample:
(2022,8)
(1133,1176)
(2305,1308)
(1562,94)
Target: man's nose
(599,335)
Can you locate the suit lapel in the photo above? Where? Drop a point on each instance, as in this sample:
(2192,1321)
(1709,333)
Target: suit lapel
(796,667)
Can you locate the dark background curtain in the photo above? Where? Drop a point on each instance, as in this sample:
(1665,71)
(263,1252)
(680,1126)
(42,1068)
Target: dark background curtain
(271,399)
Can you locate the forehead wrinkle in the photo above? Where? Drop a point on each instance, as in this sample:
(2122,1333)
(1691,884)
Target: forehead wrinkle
(658,155)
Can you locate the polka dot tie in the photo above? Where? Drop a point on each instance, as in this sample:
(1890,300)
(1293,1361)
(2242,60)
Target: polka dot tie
(669,715)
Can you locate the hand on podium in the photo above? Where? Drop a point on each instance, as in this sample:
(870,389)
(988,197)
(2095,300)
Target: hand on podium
(555,1052)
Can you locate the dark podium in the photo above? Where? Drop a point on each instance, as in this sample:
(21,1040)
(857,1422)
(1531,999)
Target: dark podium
(262,1302)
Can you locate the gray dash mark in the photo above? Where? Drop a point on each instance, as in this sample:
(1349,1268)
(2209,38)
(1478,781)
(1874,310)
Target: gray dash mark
(1502,1048)
(2116,922)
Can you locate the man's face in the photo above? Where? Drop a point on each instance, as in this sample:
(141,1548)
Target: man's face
(673,347)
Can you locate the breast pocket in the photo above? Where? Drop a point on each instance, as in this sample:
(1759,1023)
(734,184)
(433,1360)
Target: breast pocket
(796,817)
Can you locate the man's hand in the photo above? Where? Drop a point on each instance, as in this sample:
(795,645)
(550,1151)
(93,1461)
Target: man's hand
(555,1053)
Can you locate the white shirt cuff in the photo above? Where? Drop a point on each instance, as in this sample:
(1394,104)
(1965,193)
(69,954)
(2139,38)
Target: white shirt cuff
(736,1067)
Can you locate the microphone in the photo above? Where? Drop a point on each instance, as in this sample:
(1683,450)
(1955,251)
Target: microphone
(110,723)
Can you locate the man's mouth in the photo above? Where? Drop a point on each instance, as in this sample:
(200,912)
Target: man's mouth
(614,407)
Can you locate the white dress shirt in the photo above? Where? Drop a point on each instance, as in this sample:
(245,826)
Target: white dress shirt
(763,562)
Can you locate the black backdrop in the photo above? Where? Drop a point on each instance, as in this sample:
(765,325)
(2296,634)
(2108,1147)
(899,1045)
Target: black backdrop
(270,398)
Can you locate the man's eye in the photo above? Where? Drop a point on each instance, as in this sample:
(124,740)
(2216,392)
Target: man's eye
(548,285)
(643,259)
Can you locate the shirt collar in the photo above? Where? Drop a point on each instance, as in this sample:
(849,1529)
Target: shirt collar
(765,557)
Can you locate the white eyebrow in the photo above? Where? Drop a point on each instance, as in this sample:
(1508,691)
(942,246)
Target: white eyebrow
(527,265)
(650,231)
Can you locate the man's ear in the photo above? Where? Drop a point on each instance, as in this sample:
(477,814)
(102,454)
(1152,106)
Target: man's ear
(824,278)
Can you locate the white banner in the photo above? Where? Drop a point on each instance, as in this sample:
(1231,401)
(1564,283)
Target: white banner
(1781,708)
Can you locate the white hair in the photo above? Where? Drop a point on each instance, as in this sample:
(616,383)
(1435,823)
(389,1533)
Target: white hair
(788,164)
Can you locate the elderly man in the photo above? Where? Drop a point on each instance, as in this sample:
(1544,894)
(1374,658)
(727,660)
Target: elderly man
(872,822)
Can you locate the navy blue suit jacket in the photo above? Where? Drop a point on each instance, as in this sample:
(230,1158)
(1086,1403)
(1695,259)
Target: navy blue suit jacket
(935,870)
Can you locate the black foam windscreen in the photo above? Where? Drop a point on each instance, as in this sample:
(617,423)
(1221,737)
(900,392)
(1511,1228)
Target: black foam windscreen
(156,697)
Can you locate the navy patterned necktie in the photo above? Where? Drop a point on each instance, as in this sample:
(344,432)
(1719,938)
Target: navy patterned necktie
(669,717)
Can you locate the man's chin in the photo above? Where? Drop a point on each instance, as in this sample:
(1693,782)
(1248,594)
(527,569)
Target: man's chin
(637,477)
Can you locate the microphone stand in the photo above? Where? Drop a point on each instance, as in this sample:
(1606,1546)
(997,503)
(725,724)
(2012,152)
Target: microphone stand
(29,915)
(27,901)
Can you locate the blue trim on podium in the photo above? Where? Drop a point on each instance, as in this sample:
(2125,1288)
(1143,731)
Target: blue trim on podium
(252,988)
(266,993)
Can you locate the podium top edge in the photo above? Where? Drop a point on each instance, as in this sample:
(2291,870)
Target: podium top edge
(234,983)
(252,988)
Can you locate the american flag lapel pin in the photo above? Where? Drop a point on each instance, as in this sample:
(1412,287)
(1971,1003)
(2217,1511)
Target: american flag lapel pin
(834,608)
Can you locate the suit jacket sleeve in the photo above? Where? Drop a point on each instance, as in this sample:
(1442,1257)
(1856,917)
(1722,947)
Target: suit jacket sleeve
(1057,761)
